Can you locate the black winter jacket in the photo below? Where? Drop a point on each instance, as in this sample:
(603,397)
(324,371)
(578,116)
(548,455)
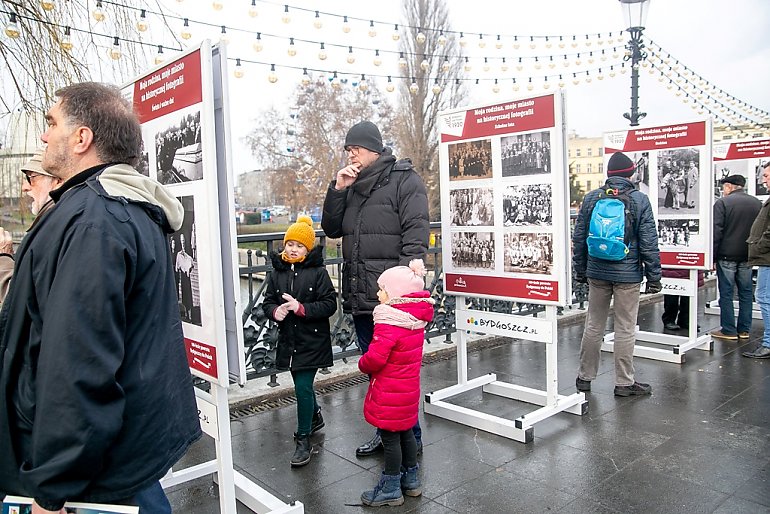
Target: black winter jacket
(733,216)
(643,258)
(96,397)
(303,342)
(383,221)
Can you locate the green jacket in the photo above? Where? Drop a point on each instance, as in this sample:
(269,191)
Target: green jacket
(759,238)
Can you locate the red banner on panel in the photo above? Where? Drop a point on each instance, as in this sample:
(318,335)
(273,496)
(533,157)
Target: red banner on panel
(505,118)
(659,138)
(745,150)
(169,89)
(202,357)
(518,288)
(688,259)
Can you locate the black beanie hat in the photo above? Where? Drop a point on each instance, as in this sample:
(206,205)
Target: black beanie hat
(620,166)
(366,135)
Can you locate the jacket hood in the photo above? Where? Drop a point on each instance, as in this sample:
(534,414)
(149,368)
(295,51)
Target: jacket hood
(419,305)
(121,180)
(313,259)
(620,183)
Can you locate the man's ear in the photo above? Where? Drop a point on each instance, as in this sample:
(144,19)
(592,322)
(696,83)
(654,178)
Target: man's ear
(84,137)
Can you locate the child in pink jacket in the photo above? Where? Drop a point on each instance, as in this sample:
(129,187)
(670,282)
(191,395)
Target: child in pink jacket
(393,362)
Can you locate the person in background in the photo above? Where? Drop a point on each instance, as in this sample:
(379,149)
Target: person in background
(301,298)
(676,309)
(393,361)
(379,207)
(96,396)
(759,255)
(733,215)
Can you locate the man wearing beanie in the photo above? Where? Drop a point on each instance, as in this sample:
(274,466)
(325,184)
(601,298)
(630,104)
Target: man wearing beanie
(617,280)
(733,215)
(378,205)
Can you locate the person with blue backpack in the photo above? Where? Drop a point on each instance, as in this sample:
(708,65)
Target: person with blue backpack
(615,246)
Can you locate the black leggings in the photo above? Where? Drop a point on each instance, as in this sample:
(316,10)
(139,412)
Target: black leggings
(400,450)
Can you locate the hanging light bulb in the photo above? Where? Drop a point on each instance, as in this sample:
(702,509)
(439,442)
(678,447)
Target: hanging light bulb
(600,76)
(578,60)
(603,57)
(561,82)
(351,56)
(322,53)
(575,79)
(238,71)
(565,62)
(574,42)
(253,12)
(519,65)
(441,39)
(372,30)
(599,40)
(551,64)
(436,89)
(272,77)
(515,85)
(223,36)
(292,50)
(286,17)
(98,13)
(590,57)
(504,66)
(486,65)
(66,40)
(530,85)
(317,23)
(377,58)
(115,52)
(401,61)
(548,43)
(141,23)
(496,87)
(335,82)
(390,87)
(463,40)
(612,72)
(516,44)
(396,35)
(413,87)
(363,85)
(532,44)
(12,29)
(186,34)
(467,66)
(47,5)
(482,43)
(537,64)
(159,56)
(305,77)
(561,42)
(424,64)
(345,25)
(445,66)
(546,84)
(217,5)
(257,45)
(587,41)
(420,37)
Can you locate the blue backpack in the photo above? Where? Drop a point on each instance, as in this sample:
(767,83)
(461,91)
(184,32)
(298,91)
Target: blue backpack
(610,226)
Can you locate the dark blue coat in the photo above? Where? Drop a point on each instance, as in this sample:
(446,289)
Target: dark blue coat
(643,259)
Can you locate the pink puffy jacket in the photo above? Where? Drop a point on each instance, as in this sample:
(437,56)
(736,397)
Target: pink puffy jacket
(393,361)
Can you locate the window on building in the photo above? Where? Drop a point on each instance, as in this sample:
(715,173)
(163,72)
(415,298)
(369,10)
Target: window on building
(577,152)
(577,168)
(569,152)
(588,185)
(601,167)
(590,151)
(588,168)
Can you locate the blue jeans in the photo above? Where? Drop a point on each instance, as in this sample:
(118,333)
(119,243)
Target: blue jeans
(763,299)
(151,500)
(732,274)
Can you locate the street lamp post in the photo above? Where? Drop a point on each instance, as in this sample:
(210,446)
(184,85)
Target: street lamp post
(635,14)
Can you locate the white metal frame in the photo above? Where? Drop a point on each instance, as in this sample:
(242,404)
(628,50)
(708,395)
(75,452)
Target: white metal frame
(712,307)
(522,428)
(680,345)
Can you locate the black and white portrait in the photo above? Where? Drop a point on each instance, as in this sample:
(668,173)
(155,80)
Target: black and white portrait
(473,250)
(471,207)
(528,253)
(470,160)
(678,178)
(526,154)
(178,151)
(724,168)
(527,205)
(184,256)
(641,176)
(761,189)
(677,232)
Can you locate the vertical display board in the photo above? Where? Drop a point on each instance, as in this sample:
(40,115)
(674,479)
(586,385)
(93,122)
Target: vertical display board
(505,201)
(674,171)
(176,107)
(744,157)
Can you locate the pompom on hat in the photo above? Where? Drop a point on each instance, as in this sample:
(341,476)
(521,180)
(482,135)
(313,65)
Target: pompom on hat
(302,232)
(366,135)
(620,165)
(403,280)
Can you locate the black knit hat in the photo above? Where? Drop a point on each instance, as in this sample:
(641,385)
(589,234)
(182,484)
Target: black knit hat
(366,135)
(620,166)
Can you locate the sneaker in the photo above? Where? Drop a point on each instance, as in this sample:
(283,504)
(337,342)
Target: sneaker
(760,352)
(635,389)
(582,385)
(721,335)
(743,335)
(671,326)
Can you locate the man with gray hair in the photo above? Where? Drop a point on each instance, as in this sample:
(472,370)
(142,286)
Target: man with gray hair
(96,398)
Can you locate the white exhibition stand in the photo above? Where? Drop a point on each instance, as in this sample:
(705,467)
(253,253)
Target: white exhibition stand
(524,327)
(712,307)
(677,345)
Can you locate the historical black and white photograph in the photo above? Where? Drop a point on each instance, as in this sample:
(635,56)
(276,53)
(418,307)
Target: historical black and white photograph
(528,253)
(761,189)
(178,150)
(678,178)
(677,232)
(724,168)
(641,176)
(471,207)
(473,250)
(470,160)
(527,205)
(184,256)
(526,154)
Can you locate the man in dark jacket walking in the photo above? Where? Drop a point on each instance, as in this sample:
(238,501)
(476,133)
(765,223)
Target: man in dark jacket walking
(618,280)
(379,207)
(96,398)
(733,215)
(759,256)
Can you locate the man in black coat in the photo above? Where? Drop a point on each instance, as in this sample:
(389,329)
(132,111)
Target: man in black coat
(379,207)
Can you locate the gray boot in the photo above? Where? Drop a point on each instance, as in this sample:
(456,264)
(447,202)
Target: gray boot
(302,453)
(386,492)
(410,482)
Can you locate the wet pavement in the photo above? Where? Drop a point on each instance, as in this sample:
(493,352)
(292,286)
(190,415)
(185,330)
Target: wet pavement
(699,444)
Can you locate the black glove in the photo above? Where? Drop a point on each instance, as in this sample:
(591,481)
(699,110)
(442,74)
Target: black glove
(580,278)
(653,287)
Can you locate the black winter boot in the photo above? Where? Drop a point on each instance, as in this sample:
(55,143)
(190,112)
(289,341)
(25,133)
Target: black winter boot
(317,423)
(303,452)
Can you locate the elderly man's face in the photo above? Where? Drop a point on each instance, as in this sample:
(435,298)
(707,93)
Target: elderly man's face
(58,138)
(766,176)
(361,157)
(37,187)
